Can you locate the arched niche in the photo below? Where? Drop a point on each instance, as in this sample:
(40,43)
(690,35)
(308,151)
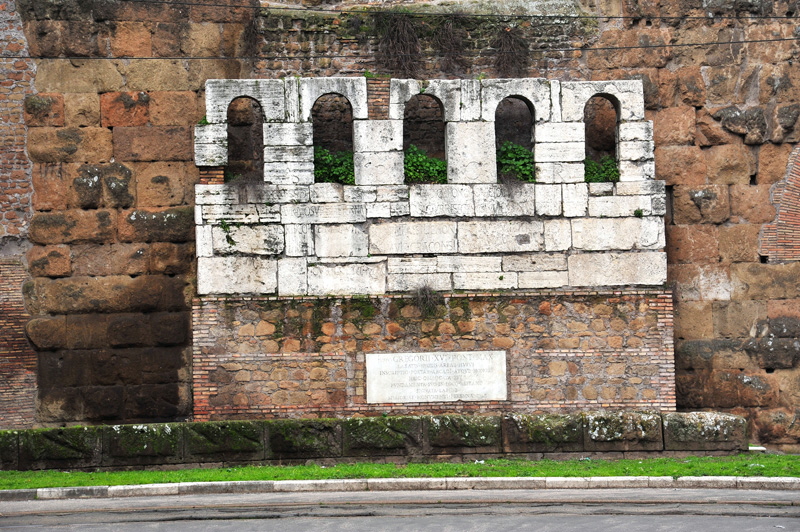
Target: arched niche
(601,122)
(245,123)
(332,122)
(514,121)
(424,126)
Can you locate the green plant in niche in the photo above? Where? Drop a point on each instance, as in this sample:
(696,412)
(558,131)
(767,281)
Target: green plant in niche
(203,121)
(419,168)
(231,176)
(334,167)
(604,171)
(515,161)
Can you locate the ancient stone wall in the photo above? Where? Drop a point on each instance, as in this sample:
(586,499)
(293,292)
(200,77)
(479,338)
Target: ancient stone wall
(724,116)
(564,350)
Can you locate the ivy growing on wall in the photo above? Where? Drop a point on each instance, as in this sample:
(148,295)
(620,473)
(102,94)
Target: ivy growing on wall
(603,171)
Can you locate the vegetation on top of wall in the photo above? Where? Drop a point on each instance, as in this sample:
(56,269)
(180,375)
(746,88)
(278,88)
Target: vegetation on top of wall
(511,53)
(603,171)
(419,168)
(399,46)
(334,167)
(515,161)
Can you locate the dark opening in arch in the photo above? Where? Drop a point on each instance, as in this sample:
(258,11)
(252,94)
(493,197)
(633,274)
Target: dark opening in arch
(513,122)
(245,140)
(332,119)
(423,125)
(601,118)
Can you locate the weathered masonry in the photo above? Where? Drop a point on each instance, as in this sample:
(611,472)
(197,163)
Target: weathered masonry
(587,324)
(292,237)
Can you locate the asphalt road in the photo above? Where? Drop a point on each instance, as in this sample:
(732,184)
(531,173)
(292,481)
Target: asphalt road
(463,511)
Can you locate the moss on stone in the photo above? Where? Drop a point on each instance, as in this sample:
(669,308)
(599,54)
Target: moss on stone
(463,431)
(225,440)
(134,441)
(548,429)
(381,433)
(63,447)
(305,437)
(9,449)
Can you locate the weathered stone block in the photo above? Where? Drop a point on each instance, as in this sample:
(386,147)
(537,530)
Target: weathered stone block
(484,281)
(299,240)
(225,441)
(559,172)
(535,262)
(739,243)
(635,130)
(9,450)
(80,145)
(575,199)
(441,200)
(49,261)
(542,279)
(124,109)
(72,447)
(448,92)
(289,154)
(675,126)
(680,165)
(377,135)
(378,168)
(470,433)
(701,282)
(548,200)
(730,164)
(471,156)
(701,204)
(500,236)
(765,281)
(371,436)
(163,184)
(44,110)
(737,319)
(693,243)
(47,333)
(126,445)
(153,143)
(328,213)
(635,150)
(81,110)
(340,241)
(623,431)
(248,239)
(269,93)
(598,234)
(620,206)
(542,433)
(401,238)
(752,203)
(412,265)
(557,235)
(346,279)
(166,225)
(459,263)
(216,194)
(354,89)
(253,275)
(551,132)
(360,194)
(559,152)
(73,226)
(326,193)
(535,91)
(270,194)
(400,91)
(288,134)
(614,269)
(289,173)
(504,199)
(304,438)
(84,295)
(407,282)
(636,170)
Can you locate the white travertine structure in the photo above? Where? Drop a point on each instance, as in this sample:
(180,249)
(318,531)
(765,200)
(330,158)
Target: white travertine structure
(290,236)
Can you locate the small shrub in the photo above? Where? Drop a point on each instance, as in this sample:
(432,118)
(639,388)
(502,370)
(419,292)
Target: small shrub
(426,299)
(203,121)
(515,161)
(419,168)
(638,213)
(334,167)
(604,171)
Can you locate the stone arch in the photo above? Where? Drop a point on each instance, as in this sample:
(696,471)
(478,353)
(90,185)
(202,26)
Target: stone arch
(780,239)
(424,125)
(514,120)
(601,117)
(245,134)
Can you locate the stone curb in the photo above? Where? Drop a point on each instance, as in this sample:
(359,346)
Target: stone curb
(403,484)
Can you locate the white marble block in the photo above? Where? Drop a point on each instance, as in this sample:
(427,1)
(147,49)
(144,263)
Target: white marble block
(500,236)
(615,269)
(471,155)
(441,200)
(400,238)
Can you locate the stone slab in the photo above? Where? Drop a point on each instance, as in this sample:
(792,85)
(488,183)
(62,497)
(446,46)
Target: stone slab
(601,234)
(535,91)
(327,213)
(377,135)
(354,89)
(441,200)
(379,168)
(400,238)
(617,269)
(346,279)
(471,156)
(500,236)
(504,200)
(236,275)
(436,377)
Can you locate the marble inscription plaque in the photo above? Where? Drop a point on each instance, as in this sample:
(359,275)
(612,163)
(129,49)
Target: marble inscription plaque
(436,377)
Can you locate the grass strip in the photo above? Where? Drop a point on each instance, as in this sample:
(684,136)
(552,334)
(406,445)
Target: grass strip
(744,465)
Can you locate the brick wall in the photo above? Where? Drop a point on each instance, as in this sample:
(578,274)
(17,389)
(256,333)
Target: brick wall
(17,358)
(573,350)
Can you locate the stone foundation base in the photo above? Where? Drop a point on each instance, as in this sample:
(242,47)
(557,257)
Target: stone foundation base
(566,350)
(380,439)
